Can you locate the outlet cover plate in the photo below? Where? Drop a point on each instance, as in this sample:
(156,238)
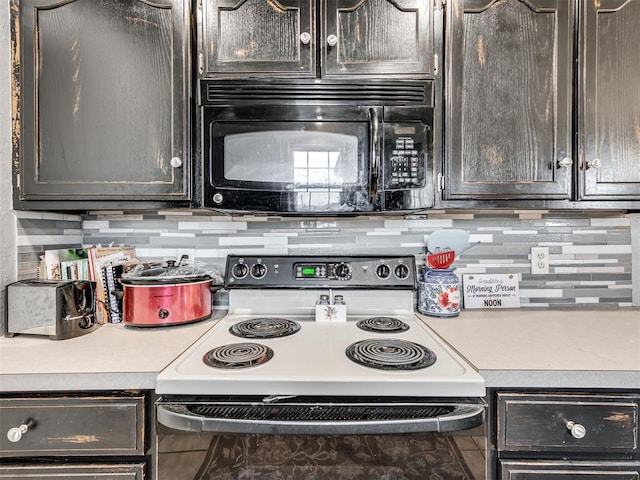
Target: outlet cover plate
(539,260)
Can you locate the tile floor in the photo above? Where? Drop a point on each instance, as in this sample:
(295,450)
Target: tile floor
(473,450)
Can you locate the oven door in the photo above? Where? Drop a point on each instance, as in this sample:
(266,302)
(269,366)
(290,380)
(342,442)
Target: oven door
(326,438)
(285,158)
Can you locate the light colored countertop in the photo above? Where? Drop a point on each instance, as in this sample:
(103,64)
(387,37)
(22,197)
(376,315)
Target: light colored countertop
(113,357)
(561,348)
(511,349)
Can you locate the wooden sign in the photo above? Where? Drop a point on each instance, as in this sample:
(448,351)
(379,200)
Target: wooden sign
(491,291)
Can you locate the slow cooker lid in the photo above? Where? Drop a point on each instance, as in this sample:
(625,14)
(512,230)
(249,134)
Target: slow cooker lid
(152,273)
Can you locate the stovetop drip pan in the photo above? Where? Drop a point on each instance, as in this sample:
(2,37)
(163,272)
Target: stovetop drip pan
(321,416)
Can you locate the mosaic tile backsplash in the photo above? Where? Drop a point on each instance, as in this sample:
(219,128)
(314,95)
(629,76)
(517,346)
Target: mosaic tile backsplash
(590,252)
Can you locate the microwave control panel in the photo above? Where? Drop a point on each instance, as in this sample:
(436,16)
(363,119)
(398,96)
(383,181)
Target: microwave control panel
(404,155)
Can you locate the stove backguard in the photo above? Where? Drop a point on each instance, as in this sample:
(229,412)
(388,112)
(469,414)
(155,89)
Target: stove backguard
(307,271)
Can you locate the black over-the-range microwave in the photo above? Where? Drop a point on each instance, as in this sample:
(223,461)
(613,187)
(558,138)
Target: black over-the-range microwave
(317,146)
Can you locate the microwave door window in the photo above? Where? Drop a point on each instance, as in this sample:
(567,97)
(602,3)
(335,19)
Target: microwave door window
(319,169)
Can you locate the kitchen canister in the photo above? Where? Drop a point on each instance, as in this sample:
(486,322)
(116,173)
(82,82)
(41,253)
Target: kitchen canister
(439,293)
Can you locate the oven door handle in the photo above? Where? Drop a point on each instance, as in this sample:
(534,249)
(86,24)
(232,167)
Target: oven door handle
(462,417)
(374,154)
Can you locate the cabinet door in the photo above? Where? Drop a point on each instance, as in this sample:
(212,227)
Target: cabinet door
(62,425)
(546,423)
(509,99)
(610,107)
(257,37)
(379,37)
(103,100)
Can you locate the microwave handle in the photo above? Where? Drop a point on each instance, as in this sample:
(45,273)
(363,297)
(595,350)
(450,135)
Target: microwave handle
(374,152)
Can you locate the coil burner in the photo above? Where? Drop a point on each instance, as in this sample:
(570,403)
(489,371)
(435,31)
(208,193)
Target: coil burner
(390,354)
(238,355)
(265,328)
(383,325)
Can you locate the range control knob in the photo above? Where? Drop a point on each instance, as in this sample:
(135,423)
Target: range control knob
(258,270)
(383,271)
(239,270)
(401,271)
(343,271)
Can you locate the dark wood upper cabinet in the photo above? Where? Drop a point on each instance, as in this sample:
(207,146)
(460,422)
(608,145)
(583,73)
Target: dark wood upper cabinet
(285,38)
(508,99)
(610,100)
(103,101)
(257,36)
(377,37)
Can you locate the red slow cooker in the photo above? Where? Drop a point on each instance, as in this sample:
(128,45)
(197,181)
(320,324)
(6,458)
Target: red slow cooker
(168,295)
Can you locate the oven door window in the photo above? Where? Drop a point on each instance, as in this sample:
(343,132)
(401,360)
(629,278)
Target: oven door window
(313,165)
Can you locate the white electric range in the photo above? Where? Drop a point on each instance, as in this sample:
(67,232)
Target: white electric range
(271,350)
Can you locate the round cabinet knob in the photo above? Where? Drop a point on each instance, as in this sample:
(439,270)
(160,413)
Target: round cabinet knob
(332,40)
(15,434)
(258,270)
(305,38)
(383,271)
(176,162)
(595,163)
(577,430)
(566,162)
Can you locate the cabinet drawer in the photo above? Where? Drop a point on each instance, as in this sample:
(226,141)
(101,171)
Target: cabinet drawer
(135,471)
(563,470)
(73,425)
(609,423)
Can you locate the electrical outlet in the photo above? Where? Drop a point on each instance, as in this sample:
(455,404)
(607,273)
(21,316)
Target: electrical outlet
(539,260)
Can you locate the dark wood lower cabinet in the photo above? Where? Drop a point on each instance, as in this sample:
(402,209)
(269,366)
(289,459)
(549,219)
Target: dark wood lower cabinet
(561,435)
(76,435)
(77,472)
(563,470)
